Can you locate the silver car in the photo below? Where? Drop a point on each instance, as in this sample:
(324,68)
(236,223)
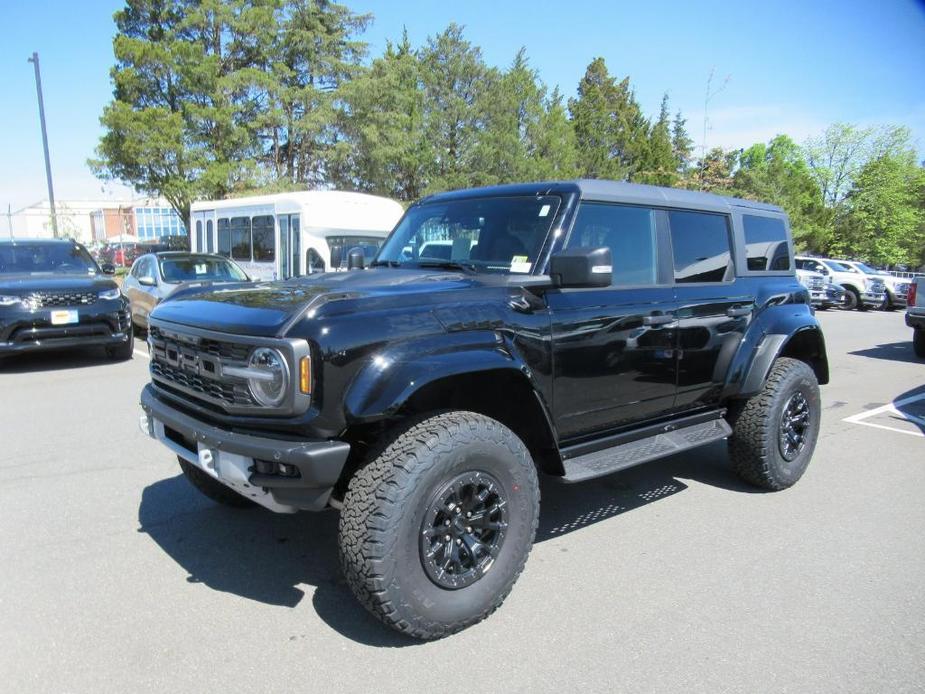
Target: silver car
(156,276)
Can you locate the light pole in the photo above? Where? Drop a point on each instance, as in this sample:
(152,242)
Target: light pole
(51,191)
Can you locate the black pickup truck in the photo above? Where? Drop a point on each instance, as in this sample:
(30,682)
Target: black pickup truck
(571,329)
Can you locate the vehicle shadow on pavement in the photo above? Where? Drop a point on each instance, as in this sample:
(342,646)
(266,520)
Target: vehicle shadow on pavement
(54,360)
(268,557)
(892,351)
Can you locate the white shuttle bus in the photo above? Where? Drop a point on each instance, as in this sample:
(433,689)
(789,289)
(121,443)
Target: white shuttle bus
(291,234)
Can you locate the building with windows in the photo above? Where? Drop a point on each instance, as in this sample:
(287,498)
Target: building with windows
(155,219)
(144,219)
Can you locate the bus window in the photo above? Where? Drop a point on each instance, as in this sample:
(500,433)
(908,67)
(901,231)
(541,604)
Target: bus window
(224,238)
(210,240)
(264,239)
(241,238)
(198,236)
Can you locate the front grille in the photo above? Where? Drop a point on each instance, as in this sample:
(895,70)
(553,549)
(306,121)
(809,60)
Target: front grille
(902,288)
(60,299)
(816,284)
(877,287)
(194,365)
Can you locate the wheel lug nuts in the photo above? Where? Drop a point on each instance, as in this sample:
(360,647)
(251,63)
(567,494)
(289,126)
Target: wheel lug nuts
(447,538)
(458,541)
(446,522)
(468,514)
(468,529)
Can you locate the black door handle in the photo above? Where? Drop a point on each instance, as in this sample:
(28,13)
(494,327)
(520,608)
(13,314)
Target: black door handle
(658,319)
(738,311)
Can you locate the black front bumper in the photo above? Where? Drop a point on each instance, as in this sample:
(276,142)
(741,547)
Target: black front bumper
(915,320)
(106,323)
(319,463)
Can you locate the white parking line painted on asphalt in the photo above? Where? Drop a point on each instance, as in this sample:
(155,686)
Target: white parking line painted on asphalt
(892,408)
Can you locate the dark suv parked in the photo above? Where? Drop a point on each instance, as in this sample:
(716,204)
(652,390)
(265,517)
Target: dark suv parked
(574,329)
(53,294)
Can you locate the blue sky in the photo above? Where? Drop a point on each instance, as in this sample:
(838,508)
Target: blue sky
(793,66)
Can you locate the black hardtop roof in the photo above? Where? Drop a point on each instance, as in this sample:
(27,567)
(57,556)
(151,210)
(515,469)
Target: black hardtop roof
(614,191)
(26,241)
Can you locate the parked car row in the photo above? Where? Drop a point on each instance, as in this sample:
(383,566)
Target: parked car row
(850,284)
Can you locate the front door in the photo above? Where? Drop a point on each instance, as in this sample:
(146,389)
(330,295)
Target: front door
(614,347)
(202,238)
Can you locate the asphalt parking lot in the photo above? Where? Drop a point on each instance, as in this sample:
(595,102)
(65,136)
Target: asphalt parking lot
(118,576)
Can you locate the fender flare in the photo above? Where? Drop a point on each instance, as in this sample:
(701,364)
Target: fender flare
(752,364)
(392,376)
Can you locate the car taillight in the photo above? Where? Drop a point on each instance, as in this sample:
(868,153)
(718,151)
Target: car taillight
(910,298)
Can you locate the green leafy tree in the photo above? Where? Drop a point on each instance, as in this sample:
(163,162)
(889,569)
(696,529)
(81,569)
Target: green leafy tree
(713,172)
(610,130)
(454,76)
(555,150)
(659,165)
(681,143)
(885,217)
(385,149)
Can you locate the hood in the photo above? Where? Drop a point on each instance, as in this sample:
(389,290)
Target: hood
(269,308)
(28,283)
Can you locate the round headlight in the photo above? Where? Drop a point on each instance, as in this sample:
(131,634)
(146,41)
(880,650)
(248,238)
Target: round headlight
(270,377)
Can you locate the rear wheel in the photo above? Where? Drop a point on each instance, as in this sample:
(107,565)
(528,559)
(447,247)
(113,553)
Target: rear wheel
(436,529)
(212,488)
(918,342)
(774,432)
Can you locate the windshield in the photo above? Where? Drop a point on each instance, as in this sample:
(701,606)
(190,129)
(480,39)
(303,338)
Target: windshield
(199,268)
(838,267)
(866,269)
(62,258)
(502,234)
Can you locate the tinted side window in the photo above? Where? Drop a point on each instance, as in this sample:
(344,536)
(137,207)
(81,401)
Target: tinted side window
(700,243)
(241,238)
(766,245)
(629,232)
(224,238)
(264,239)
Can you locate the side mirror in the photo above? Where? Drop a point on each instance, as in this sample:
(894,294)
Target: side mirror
(147,281)
(355,259)
(108,268)
(582,267)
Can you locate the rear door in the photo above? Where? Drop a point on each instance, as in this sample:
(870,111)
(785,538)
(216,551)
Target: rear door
(714,308)
(613,347)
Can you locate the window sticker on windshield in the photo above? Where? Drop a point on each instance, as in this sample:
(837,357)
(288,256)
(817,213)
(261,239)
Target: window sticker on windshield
(202,269)
(544,210)
(519,263)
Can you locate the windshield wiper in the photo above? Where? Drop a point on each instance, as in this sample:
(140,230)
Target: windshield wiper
(446,265)
(385,263)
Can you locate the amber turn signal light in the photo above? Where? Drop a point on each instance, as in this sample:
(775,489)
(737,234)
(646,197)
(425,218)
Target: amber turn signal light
(305,375)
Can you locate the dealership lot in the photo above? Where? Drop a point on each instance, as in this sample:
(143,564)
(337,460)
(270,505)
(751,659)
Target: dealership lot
(118,576)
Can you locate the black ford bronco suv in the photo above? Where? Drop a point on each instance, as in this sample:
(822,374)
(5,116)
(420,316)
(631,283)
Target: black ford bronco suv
(572,329)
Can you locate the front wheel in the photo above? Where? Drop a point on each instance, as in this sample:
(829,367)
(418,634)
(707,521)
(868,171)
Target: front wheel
(437,528)
(774,432)
(124,351)
(852,299)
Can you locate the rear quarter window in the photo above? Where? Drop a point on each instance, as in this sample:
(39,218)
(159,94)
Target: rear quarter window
(766,246)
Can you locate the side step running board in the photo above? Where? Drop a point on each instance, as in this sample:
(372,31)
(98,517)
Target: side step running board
(660,445)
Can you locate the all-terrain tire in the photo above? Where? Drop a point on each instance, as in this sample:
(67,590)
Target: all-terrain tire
(124,351)
(213,489)
(918,342)
(756,447)
(388,506)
